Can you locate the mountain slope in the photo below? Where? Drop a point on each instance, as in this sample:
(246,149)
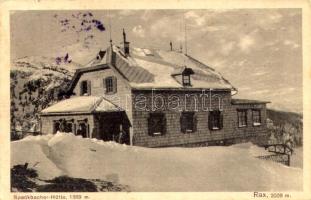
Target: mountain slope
(286,126)
(35,83)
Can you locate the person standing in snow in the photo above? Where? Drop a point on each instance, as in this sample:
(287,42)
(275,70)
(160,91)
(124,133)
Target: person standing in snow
(121,135)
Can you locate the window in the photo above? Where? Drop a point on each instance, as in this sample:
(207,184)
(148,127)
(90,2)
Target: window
(186,80)
(256,115)
(215,120)
(110,84)
(186,76)
(83,129)
(69,126)
(85,88)
(56,126)
(242,118)
(156,124)
(188,122)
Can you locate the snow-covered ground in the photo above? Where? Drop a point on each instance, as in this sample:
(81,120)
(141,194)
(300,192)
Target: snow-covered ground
(232,168)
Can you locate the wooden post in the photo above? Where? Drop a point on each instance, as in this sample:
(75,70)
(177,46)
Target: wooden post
(288,160)
(131,135)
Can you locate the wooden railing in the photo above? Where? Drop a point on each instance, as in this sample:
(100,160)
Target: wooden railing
(282,153)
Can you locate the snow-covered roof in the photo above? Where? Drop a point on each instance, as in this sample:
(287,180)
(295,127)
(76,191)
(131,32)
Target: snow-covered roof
(82,104)
(151,68)
(100,58)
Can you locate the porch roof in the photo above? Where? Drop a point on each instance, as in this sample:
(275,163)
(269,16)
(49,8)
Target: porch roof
(82,104)
(247,101)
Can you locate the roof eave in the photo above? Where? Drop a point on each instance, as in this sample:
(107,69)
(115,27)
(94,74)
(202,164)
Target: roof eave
(181,88)
(66,113)
(246,103)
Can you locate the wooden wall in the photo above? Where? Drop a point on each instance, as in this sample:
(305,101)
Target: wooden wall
(47,121)
(173,134)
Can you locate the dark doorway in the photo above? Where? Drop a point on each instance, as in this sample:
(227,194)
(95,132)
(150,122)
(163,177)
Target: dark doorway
(114,126)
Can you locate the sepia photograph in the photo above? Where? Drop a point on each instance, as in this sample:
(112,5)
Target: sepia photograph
(156,100)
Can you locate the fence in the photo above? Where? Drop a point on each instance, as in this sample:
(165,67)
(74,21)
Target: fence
(282,153)
(16,135)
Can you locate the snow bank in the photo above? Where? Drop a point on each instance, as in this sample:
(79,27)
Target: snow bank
(233,168)
(35,151)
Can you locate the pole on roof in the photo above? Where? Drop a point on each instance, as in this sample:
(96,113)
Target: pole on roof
(180,42)
(109,21)
(185,24)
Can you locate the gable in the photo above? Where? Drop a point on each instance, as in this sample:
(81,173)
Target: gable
(96,79)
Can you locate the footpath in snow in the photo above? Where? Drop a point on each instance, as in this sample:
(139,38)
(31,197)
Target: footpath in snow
(232,168)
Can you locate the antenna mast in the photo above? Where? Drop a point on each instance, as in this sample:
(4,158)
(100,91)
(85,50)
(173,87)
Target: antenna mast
(185,35)
(180,42)
(109,21)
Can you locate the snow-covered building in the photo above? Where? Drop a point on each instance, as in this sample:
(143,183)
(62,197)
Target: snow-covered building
(154,98)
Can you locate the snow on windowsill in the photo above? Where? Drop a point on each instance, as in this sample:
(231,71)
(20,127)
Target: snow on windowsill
(256,124)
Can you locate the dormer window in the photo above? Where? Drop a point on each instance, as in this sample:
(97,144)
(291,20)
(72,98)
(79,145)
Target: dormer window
(183,75)
(187,72)
(186,80)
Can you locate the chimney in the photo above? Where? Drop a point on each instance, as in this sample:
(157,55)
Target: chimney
(126,45)
(171,45)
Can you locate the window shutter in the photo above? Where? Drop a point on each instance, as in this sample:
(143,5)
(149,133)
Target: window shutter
(149,126)
(81,88)
(182,124)
(195,122)
(210,120)
(163,125)
(104,83)
(74,129)
(114,84)
(221,120)
(89,88)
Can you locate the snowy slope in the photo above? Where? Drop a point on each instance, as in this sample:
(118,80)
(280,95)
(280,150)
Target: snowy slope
(233,168)
(34,80)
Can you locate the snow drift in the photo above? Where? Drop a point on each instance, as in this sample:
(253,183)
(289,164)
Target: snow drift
(233,168)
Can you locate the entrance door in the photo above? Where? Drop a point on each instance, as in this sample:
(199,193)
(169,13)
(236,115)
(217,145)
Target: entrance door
(114,127)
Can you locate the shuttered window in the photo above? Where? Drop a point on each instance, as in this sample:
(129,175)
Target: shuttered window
(256,115)
(156,124)
(215,120)
(110,83)
(56,126)
(85,88)
(188,122)
(242,118)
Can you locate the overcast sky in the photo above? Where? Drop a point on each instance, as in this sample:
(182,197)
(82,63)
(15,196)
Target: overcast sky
(249,46)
